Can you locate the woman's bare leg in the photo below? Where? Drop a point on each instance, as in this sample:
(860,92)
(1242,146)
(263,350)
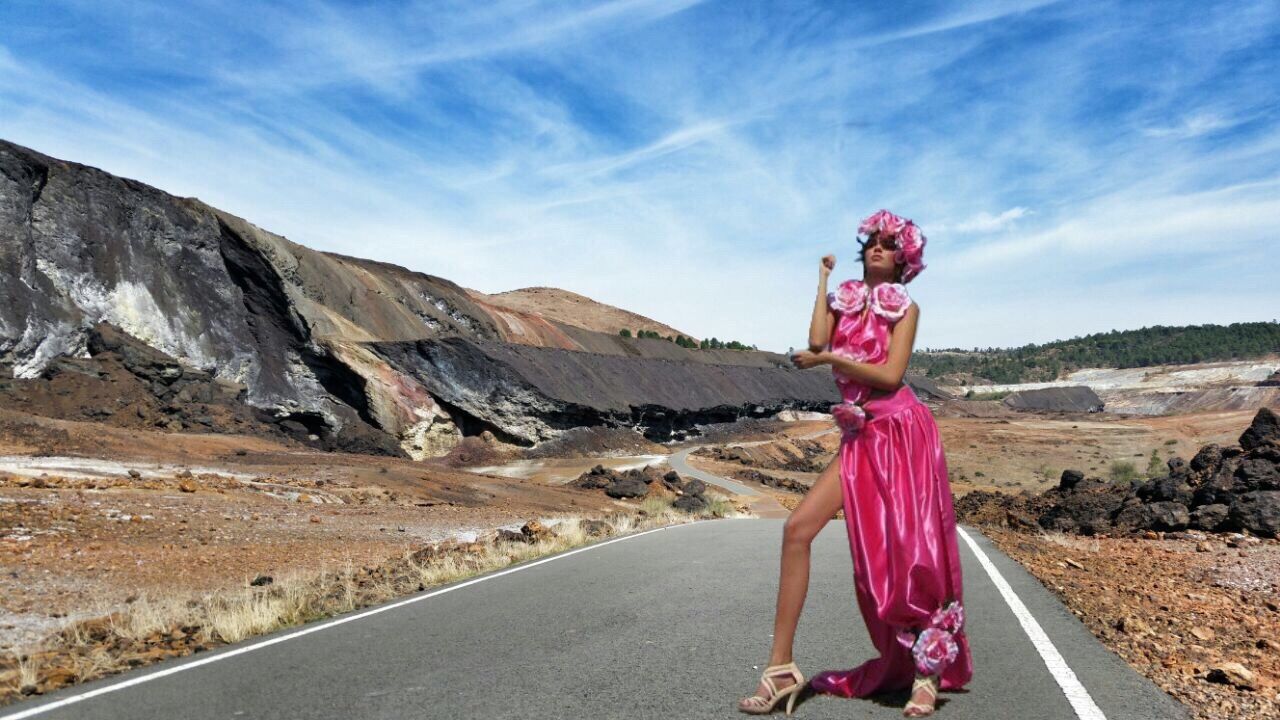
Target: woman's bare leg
(810,516)
(815,510)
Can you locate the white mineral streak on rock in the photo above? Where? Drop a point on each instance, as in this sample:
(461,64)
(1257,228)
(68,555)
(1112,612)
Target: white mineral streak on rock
(89,468)
(131,307)
(433,436)
(40,344)
(1161,377)
(457,317)
(1163,389)
(800,415)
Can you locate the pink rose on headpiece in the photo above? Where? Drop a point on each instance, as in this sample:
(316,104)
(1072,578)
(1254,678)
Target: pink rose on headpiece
(848,297)
(890,300)
(911,241)
(910,251)
(934,649)
(883,222)
(849,416)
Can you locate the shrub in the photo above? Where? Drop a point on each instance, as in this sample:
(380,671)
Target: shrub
(1123,471)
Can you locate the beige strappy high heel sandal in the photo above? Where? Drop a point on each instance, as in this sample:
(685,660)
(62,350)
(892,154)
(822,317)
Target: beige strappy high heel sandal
(915,709)
(760,705)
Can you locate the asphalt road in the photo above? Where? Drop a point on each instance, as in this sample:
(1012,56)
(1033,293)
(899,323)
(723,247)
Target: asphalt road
(672,623)
(679,461)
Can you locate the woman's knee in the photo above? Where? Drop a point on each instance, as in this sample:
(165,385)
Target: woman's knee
(800,529)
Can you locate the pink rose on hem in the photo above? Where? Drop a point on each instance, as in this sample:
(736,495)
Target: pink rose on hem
(934,649)
(949,618)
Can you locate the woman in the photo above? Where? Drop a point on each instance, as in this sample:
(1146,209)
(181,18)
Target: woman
(890,476)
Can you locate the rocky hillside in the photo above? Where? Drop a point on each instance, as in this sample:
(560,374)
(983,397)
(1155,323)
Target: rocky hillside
(338,345)
(571,308)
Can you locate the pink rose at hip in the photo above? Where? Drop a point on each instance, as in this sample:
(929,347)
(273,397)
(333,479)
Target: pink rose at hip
(849,416)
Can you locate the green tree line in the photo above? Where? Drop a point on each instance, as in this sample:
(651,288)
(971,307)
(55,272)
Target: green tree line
(688,342)
(1156,345)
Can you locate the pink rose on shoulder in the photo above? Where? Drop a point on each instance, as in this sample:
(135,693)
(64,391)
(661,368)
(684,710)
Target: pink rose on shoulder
(934,650)
(890,300)
(848,297)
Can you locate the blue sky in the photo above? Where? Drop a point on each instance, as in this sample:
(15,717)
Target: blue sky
(1076,166)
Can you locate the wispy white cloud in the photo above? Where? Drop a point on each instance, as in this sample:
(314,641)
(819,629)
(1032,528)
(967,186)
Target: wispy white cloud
(1191,126)
(983,222)
(1070,162)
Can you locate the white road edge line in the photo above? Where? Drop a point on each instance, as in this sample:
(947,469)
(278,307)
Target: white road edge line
(1083,704)
(32,712)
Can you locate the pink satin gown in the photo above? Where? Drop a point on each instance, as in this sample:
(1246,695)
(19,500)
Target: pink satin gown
(898,512)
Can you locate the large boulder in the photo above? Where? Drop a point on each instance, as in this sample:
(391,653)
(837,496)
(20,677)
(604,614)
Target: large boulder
(1264,428)
(1208,517)
(1069,479)
(1087,513)
(627,487)
(1258,512)
(1167,515)
(690,503)
(1165,489)
(693,487)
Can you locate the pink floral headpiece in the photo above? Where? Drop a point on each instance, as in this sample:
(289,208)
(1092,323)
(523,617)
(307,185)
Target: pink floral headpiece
(911,241)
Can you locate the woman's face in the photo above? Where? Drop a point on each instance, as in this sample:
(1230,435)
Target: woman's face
(877,255)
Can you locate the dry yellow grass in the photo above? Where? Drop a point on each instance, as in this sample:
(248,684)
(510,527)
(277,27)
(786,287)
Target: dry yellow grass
(1073,542)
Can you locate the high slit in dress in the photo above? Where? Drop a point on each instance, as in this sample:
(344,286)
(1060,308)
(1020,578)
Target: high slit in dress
(898,513)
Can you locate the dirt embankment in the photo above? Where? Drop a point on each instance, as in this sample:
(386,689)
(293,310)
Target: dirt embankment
(1199,617)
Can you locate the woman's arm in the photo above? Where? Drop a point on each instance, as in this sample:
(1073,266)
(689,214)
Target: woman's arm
(823,319)
(887,375)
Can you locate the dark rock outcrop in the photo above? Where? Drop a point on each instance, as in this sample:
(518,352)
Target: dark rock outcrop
(1265,428)
(773,481)
(643,482)
(1222,489)
(530,393)
(1078,398)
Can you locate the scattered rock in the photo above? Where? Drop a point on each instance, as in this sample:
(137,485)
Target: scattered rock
(535,531)
(626,487)
(690,503)
(505,535)
(1232,673)
(596,528)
